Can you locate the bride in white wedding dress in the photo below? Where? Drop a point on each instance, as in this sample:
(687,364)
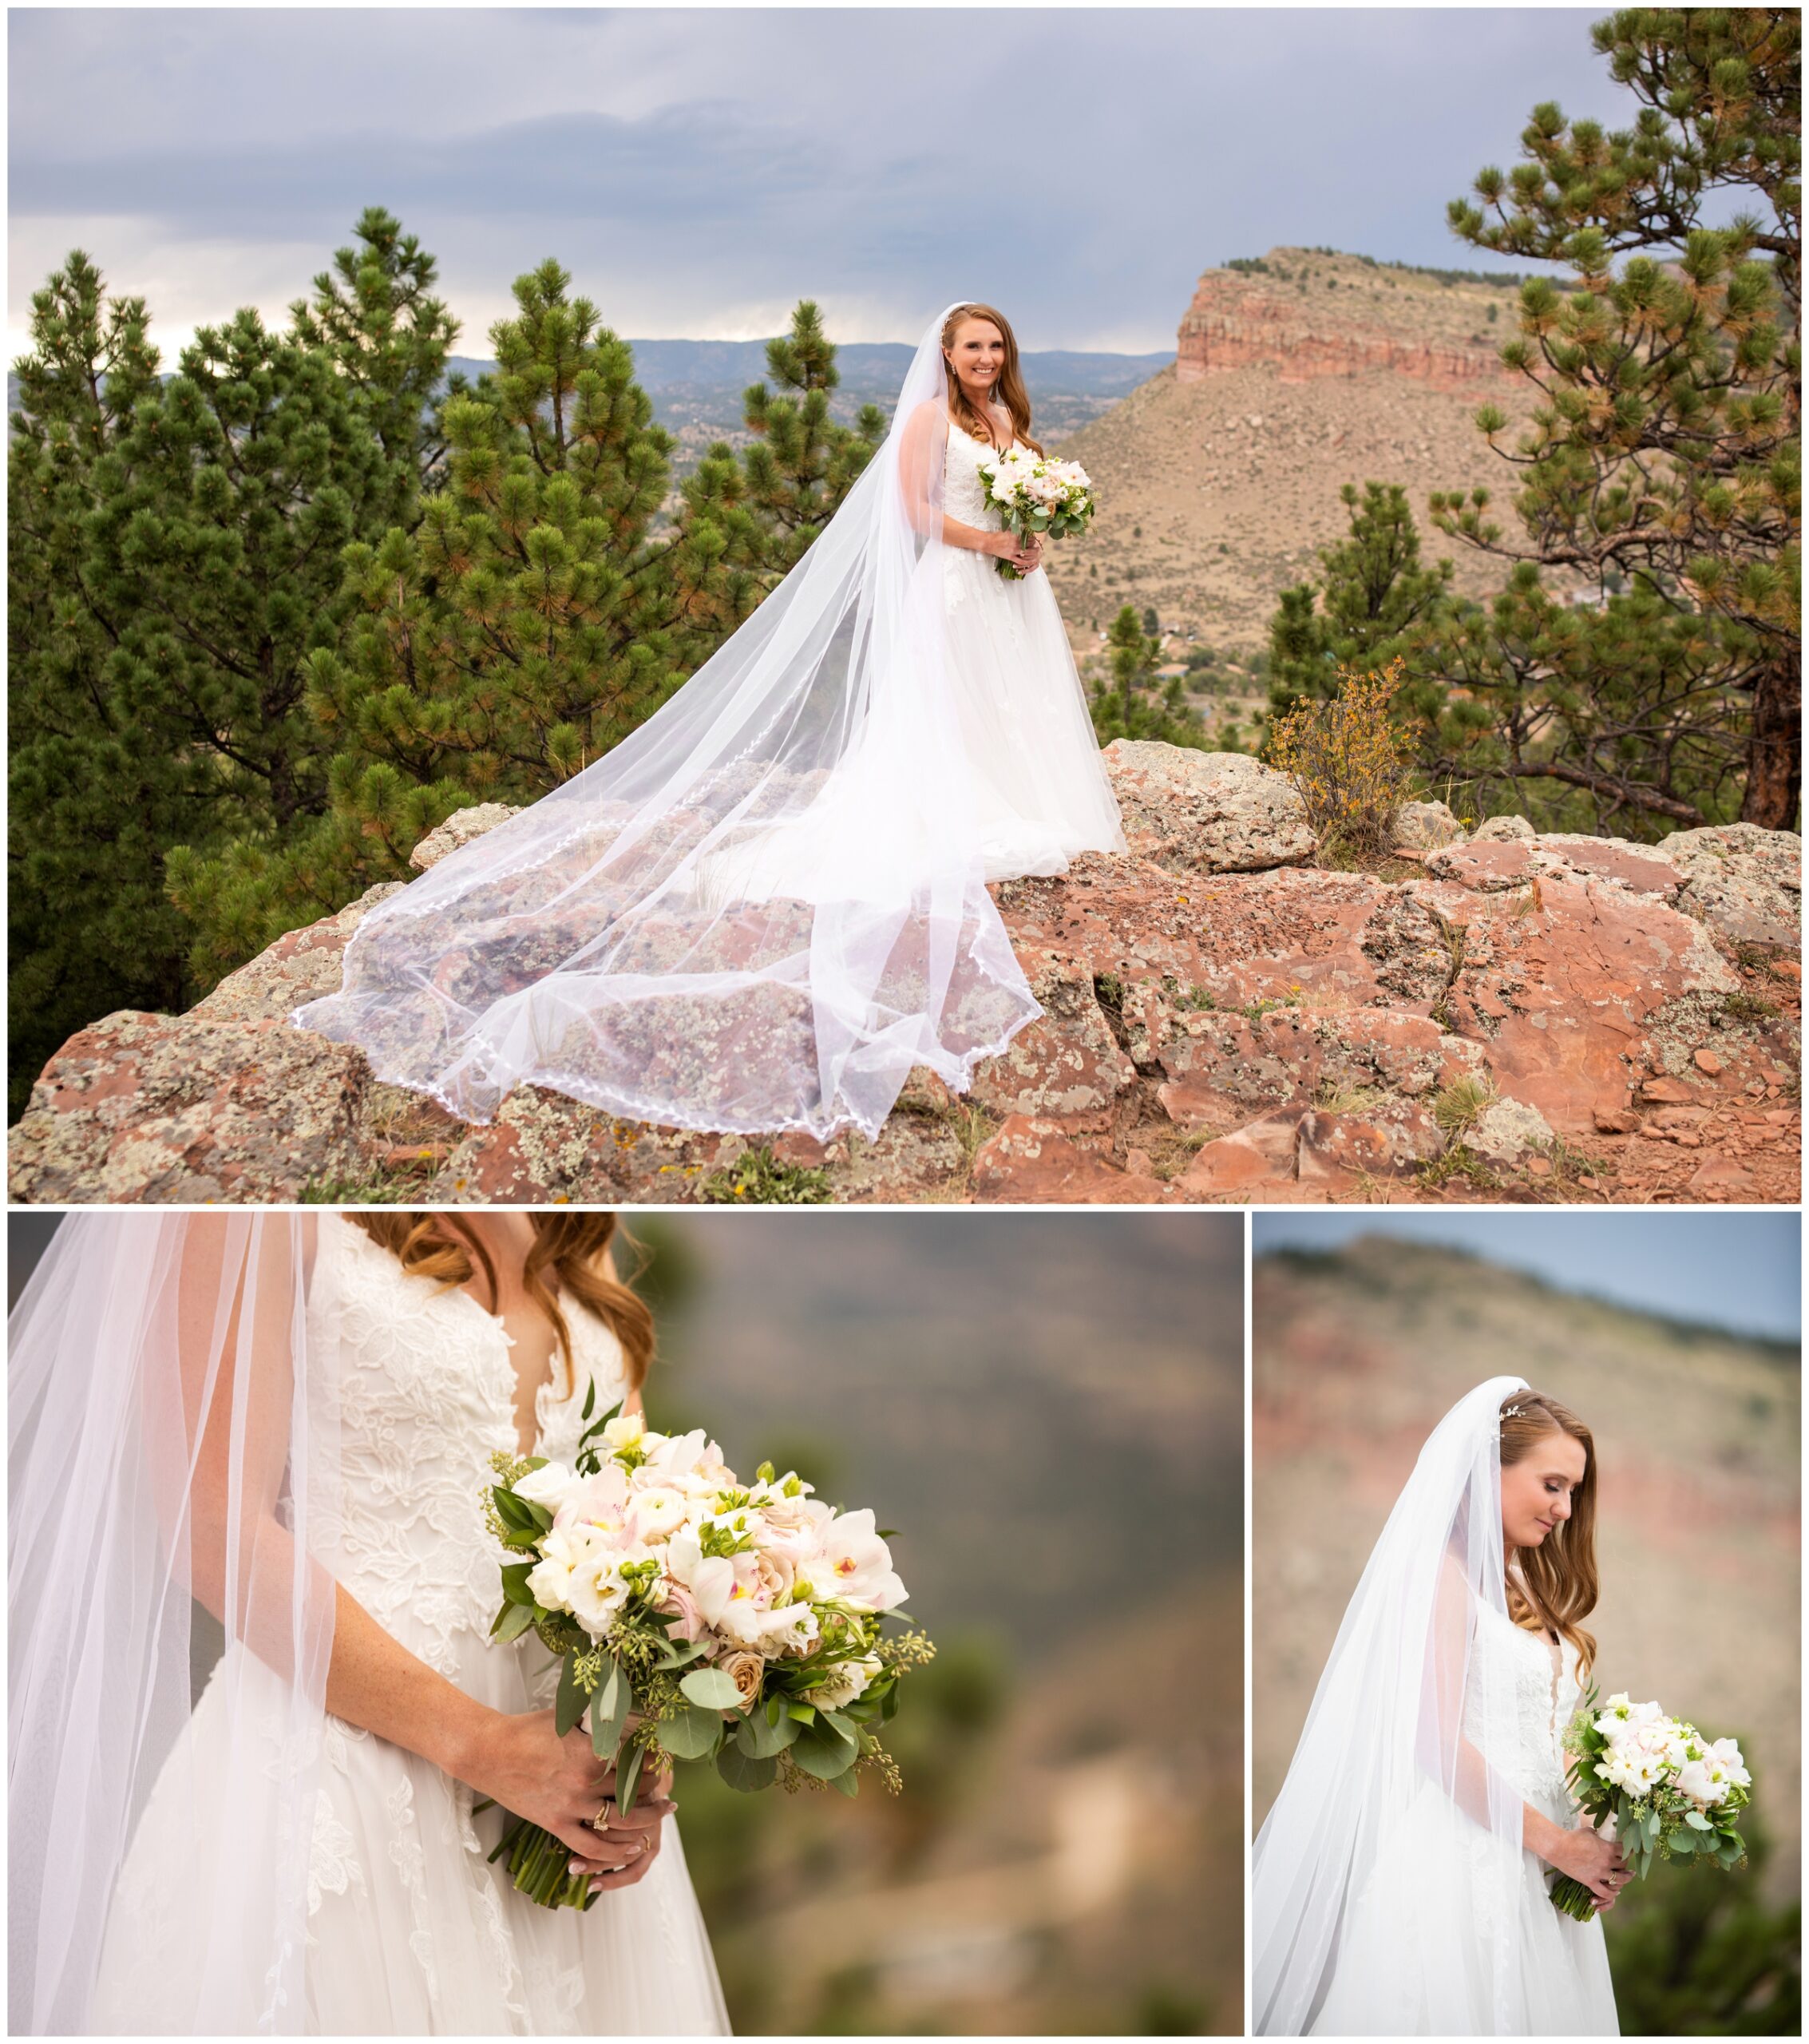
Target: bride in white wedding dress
(301,1850)
(767,905)
(1399,1883)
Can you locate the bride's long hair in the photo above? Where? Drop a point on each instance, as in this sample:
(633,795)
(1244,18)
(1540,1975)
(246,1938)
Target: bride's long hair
(1009,389)
(570,1246)
(1555,1583)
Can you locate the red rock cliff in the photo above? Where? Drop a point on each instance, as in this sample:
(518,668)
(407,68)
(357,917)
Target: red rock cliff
(1241,321)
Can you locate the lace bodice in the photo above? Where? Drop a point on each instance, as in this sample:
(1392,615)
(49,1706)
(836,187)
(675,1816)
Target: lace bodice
(425,1392)
(964,495)
(1546,1693)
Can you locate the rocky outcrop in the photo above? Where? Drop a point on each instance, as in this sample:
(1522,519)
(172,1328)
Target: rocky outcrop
(1240,320)
(1520,1017)
(1206,812)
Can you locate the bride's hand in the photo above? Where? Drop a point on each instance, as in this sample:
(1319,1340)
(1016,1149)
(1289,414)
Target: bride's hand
(1029,557)
(521,1761)
(630,1844)
(1596,1862)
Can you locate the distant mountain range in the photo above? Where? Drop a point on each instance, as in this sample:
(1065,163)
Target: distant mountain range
(699,384)
(696,386)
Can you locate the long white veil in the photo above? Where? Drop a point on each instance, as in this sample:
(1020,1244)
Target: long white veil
(765,904)
(172,1442)
(1389,1782)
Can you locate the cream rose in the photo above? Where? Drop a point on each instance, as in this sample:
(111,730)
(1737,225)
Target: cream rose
(747,1671)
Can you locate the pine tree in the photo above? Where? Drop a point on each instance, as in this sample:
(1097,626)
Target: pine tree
(372,316)
(91,807)
(172,565)
(803,461)
(1374,591)
(1130,705)
(1666,449)
(551,597)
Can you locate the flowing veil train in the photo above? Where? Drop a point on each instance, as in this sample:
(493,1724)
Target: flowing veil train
(764,906)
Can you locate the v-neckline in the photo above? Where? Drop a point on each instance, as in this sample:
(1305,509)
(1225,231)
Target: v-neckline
(979,442)
(542,1391)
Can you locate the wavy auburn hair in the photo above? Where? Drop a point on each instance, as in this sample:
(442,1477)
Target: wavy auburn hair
(1009,389)
(568,1247)
(1553,1585)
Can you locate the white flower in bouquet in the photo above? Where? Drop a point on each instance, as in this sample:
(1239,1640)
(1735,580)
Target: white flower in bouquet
(846,1681)
(854,1565)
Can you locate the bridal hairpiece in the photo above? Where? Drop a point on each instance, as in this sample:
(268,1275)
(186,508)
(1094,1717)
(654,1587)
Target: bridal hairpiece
(1508,1411)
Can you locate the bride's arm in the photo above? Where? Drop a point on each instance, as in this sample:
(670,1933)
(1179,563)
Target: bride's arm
(920,454)
(241,1376)
(1582,1852)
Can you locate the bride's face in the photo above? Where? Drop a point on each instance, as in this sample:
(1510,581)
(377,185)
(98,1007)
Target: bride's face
(976,354)
(1536,1491)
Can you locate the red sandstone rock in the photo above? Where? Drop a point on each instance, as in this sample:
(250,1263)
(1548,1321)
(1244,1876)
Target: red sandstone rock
(1031,1159)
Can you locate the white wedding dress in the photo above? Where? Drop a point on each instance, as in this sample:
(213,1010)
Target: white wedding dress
(1435,1877)
(1039,780)
(410,1931)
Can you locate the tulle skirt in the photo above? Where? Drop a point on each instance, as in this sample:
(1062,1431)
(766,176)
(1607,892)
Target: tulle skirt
(1038,782)
(410,1931)
(1413,1959)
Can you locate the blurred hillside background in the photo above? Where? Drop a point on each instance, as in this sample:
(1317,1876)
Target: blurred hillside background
(1048,1408)
(1362,1340)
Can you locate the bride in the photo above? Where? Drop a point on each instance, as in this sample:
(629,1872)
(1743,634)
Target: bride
(768,903)
(1399,1885)
(277,1429)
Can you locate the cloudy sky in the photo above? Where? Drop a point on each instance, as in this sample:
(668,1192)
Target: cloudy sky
(1743,1271)
(699,171)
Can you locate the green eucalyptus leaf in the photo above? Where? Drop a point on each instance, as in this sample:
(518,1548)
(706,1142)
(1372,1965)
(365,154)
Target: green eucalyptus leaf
(627,1778)
(741,1772)
(691,1734)
(511,1621)
(710,1689)
(569,1706)
(761,1735)
(610,1702)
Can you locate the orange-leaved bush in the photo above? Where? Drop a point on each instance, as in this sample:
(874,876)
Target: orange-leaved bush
(1349,758)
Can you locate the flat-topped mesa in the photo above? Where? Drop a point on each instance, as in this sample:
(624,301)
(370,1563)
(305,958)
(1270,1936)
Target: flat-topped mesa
(1244,319)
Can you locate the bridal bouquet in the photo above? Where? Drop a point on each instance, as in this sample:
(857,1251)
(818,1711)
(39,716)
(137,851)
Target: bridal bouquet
(695,1617)
(1036,495)
(1669,1790)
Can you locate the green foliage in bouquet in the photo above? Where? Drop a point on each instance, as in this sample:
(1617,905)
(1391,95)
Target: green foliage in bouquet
(647,1703)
